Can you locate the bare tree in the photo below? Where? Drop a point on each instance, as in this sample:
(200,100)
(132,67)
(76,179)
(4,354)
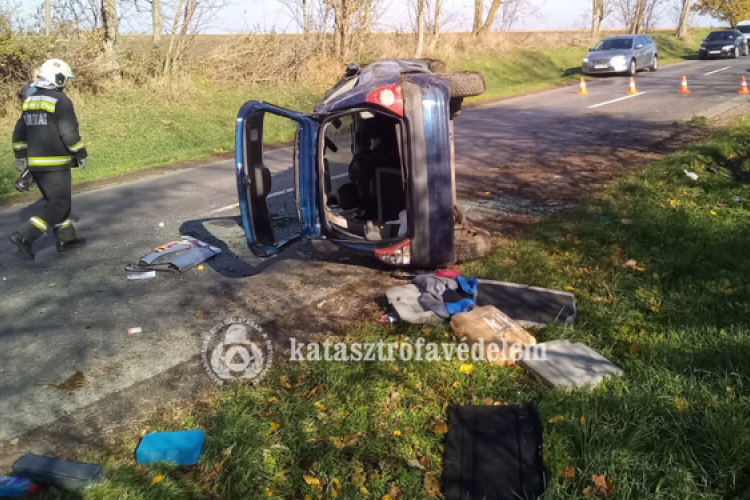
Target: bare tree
(304,12)
(683,25)
(601,10)
(156,20)
(638,15)
(437,11)
(47,17)
(351,20)
(108,59)
(483,24)
(511,11)
(190,18)
(421,6)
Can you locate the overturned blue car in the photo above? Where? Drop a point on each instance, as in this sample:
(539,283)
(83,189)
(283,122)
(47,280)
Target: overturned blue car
(372,165)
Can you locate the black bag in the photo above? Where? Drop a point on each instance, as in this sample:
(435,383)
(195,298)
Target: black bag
(494,453)
(61,473)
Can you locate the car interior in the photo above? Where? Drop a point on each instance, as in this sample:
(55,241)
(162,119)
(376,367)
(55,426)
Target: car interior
(364,176)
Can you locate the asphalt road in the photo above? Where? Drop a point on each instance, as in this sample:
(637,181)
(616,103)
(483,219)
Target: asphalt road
(69,313)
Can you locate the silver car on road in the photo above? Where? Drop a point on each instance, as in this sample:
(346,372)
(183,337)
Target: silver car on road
(623,54)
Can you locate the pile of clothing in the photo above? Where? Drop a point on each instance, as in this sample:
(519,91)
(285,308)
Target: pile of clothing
(433,298)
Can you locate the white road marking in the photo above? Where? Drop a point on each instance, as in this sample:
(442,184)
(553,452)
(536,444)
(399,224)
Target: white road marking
(616,100)
(717,71)
(272,195)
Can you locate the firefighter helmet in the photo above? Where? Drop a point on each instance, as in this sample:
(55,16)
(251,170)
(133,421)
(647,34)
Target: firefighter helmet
(57,72)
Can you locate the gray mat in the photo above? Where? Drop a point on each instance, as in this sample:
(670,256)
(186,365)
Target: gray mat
(568,365)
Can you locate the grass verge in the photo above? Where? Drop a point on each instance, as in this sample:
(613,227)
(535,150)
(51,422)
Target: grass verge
(659,266)
(136,128)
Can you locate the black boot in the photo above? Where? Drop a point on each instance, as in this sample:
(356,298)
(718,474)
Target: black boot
(64,246)
(24,246)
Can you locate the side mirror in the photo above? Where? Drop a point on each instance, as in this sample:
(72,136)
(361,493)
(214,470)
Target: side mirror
(639,46)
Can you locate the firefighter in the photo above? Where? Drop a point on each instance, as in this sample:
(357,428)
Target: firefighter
(47,142)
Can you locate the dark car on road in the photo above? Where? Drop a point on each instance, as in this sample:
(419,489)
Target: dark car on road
(373,164)
(724,43)
(625,54)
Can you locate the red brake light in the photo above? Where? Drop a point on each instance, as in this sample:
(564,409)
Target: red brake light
(397,255)
(389,96)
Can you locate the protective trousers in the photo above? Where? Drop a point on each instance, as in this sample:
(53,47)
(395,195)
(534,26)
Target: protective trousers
(55,213)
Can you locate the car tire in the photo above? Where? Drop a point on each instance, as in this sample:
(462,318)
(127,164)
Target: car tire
(655,64)
(632,69)
(465,83)
(471,243)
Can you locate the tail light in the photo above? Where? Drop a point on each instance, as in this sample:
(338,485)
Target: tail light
(390,97)
(397,255)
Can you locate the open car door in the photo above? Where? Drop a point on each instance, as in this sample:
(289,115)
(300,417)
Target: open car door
(267,231)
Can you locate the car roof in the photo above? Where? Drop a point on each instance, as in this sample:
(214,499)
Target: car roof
(724,31)
(621,37)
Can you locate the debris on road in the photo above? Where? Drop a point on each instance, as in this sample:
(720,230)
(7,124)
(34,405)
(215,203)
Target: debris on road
(72,383)
(321,304)
(61,473)
(737,199)
(179,448)
(390,318)
(692,175)
(132,331)
(176,256)
(142,276)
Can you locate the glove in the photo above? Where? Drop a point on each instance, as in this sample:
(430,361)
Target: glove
(81,163)
(21,164)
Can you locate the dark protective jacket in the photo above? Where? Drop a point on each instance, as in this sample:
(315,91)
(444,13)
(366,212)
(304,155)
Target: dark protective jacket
(47,132)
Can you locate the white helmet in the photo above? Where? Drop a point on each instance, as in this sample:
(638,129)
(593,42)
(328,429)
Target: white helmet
(57,72)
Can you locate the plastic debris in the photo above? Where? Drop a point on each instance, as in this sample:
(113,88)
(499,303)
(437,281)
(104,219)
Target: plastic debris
(137,329)
(692,175)
(320,306)
(390,318)
(161,224)
(736,199)
(142,276)
(180,448)
(16,486)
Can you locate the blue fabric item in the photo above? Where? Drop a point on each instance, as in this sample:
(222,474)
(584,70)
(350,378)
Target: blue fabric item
(461,306)
(181,448)
(468,286)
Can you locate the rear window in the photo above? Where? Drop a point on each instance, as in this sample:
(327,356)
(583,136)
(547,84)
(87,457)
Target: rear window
(615,44)
(721,35)
(744,29)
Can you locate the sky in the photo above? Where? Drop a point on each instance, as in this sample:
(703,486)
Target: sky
(265,15)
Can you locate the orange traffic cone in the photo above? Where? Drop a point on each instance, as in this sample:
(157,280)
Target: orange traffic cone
(743,87)
(684,87)
(631,89)
(582,90)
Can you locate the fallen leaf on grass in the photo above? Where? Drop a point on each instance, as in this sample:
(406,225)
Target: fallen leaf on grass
(311,480)
(198,315)
(359,477)
(568,474)
(273,427)
(714,213)
(466,369)
(335,487)
(397,433)
(431,485)
(568,288)
(681,405)
(315,391)
(556,419)
(320,406)
(413,462)
(602,487)
(582,420)
(426,462)
(157,479)
(394,493)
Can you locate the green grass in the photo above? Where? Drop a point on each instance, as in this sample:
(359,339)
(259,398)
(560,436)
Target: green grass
(659,265)
(135,128)
(138,128)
